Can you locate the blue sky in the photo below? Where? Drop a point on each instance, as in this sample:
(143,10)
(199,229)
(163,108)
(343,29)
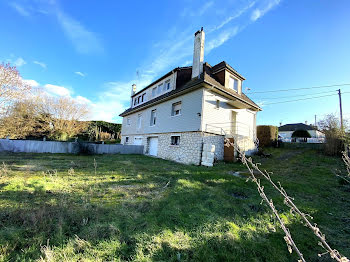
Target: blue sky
(94,51)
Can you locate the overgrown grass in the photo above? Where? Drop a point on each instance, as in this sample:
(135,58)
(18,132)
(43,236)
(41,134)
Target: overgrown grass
(54,208)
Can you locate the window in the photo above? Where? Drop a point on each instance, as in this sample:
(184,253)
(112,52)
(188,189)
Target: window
(154,91)
(128,121)
(143,97)
(126,139)
(167,85)
(139,121)
(175,140)
(176,109)
(135,101)
(217,106)
(153,117)
(233,84)
(160,87)
(138,100)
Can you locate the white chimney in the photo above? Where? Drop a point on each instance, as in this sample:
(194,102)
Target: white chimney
(198,53)
(305,122)
(133,91)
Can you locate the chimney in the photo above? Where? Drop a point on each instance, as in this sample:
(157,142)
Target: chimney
(133,91)
(305,122)
(198,53)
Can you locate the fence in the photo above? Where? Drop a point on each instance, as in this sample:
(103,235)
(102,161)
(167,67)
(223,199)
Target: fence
(33,146)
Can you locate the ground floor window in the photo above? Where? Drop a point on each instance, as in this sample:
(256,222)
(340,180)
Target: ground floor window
(175,140)
(126,139)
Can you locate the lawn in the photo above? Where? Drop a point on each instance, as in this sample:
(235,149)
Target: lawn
(58,207)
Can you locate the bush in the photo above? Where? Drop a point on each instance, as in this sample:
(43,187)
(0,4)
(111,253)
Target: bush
(267,135)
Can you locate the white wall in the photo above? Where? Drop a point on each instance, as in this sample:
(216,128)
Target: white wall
(189,120)
(313,134)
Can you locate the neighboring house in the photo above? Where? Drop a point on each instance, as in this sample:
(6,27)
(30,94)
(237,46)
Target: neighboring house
(286,133)
(173,116)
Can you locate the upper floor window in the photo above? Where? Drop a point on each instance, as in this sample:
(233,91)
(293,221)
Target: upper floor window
(167,85)
(233,84)
(154,91)
(139,121)
(128,121)
(160,87)
(153,117)
(176,109)
(217,106)
(143,97)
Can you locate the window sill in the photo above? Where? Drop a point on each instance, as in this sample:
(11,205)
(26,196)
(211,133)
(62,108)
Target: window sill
(176,115)
(174,145)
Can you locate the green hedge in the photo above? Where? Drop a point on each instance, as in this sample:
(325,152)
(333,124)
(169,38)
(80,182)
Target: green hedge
(267,135)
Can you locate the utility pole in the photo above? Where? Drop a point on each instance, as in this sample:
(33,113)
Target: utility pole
(341,110)
(315,121)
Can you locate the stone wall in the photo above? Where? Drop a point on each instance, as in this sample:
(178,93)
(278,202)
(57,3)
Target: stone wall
(216,140)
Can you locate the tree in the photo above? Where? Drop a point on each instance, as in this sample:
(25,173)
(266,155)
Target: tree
(12,86)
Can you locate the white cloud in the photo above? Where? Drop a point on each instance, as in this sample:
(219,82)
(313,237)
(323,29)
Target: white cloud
(57,90)
(82,100)
(221,38)
(43,65)
(80,74)
(259,12)
(84,41)
(31,82)
(19,62)
(20,9)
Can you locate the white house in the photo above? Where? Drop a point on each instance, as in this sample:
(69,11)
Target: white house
(286,133)
(173,116)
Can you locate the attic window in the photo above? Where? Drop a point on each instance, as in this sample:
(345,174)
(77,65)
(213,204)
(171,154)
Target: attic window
(233,84)
(217,106)
(167,85)
(154,91)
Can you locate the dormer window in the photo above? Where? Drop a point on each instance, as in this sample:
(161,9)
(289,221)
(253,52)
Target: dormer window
(154,91)
(167,85)
(160,87)
(233,84)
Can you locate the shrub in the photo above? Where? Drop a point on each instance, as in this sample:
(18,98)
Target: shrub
(267,135)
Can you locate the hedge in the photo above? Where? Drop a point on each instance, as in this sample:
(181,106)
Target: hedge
(267,135)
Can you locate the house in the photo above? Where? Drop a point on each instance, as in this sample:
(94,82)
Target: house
(288,133)
(173,116)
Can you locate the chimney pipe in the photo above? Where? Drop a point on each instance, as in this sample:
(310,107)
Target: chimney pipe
(133,91)
(198,53)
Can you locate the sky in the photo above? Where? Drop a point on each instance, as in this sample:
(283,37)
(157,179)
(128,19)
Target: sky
(93,51)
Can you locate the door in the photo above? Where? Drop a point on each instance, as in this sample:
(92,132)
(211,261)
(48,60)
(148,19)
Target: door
(153,146)
(138,141)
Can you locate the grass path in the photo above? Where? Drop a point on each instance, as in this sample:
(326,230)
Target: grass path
(135,208)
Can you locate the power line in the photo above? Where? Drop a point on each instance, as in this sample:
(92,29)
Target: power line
(298,95)
(293,89)
(302,99)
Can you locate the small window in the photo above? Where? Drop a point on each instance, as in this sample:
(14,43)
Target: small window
(217,106)
(167,85)
(154,91)
(143,97)
(160,87)
(135,101)
(138,100)
(128,121)
(176,109)
(126,139)
(233,84)
(139,121)
(175,140)
(153,117)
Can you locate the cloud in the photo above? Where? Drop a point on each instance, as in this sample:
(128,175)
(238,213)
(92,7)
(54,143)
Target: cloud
(19,62)
(259,12)
(191,12)
(43,65)
(84,41)
(221,38)
(57,90)
(31,82)
(80,74)
(20,9)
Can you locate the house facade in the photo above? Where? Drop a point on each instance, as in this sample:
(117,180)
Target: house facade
(189,106)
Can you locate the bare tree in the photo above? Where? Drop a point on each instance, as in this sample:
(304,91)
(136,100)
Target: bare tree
(12,86)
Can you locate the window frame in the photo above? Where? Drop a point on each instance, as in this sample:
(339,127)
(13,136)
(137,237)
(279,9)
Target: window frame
(128,121)
(167,85)
(153,119)
(235,81)
(127,138)
(173,108)
(154,91)
(175,140)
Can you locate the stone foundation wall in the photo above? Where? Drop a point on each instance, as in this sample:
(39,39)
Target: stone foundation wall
(218,141)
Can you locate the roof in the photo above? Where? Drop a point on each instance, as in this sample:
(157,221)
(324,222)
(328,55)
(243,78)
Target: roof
(205,78)
(297,126)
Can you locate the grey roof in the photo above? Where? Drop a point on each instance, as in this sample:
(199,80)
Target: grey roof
(297,126)
(205,78)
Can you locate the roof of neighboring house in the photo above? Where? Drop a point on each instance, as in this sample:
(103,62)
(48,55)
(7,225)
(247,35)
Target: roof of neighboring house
(294,127)
(205,78)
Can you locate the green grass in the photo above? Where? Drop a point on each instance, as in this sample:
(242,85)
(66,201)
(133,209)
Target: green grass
(136,208)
